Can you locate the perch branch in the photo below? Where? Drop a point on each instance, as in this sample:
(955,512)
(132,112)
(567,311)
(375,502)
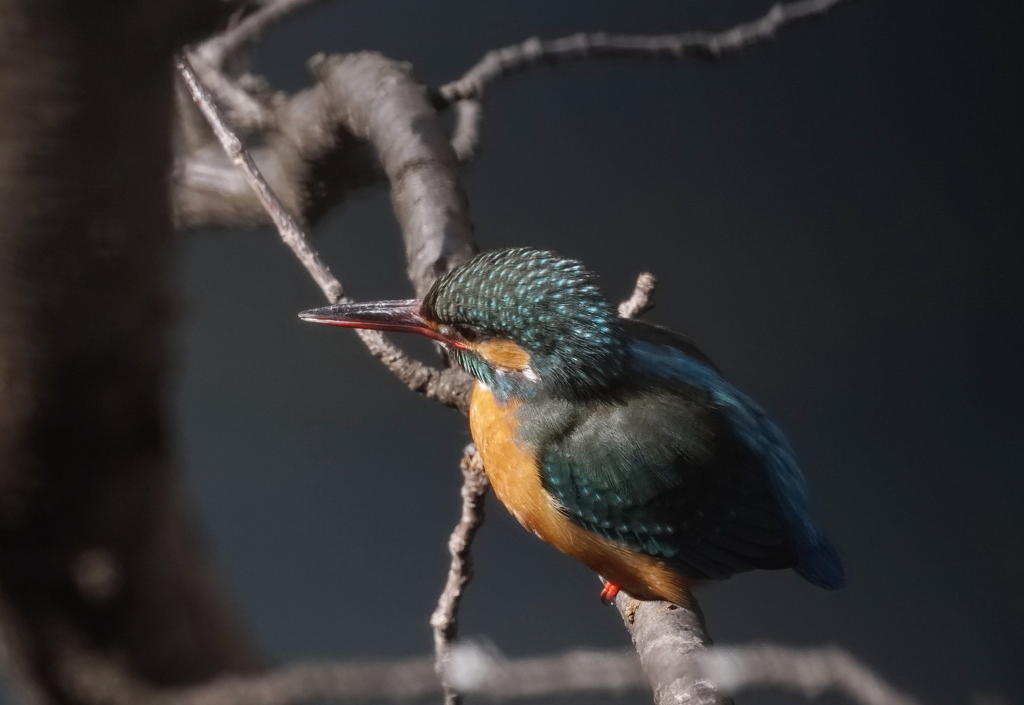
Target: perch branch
(448,386)
(444,621)
(534,51)
(666,635)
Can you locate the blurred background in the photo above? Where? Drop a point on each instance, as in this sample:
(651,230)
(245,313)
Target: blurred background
(836,218)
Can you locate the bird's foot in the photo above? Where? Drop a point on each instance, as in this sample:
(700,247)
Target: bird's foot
(609,592)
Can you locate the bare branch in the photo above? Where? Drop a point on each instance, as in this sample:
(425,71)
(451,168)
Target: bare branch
(467,128)
(291,231)
(477,669)
(534,51)
(809,672)
(366,118)
(474,668)
(217,50)
(450,387)
(244,111)
(665,637)
(642,299)
(445,621)
(310,682)
(379,101)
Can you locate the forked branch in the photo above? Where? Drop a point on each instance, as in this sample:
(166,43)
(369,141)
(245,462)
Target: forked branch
(578,47)
(449,386)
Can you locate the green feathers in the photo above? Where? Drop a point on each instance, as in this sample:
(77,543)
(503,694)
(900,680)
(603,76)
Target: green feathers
(547,304)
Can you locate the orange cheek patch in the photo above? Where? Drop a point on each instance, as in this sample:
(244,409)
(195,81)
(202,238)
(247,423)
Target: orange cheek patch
(504,354)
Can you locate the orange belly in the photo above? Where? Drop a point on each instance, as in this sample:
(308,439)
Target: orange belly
(515,477)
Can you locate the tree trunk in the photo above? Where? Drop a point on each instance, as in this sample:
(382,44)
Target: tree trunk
(101,572)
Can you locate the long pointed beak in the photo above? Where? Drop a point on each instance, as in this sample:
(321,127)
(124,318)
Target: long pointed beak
(395,316)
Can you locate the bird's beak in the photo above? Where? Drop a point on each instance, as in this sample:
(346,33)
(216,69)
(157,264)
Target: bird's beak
(396,316)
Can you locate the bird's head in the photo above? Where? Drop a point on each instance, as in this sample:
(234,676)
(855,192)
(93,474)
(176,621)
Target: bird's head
(522,321)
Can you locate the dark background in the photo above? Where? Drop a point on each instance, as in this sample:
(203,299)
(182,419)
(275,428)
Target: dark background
(836,217)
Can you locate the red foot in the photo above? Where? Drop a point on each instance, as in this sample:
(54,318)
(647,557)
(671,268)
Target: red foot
(609,592)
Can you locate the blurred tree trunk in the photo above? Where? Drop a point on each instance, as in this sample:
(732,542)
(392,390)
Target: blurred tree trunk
(101,572)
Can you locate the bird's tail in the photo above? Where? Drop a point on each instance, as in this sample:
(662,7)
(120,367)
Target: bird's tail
(820,562)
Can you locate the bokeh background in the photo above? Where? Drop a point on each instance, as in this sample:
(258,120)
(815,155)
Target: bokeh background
(836,217)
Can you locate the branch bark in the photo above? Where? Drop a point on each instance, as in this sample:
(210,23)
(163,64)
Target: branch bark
(642,299)
(366,118)
(577,47)
(809,672)
(219,48)
(666,636)
(445,620)
(449,386)
(476,669)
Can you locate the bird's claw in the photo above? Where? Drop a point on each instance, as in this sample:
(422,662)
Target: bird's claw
(609,592)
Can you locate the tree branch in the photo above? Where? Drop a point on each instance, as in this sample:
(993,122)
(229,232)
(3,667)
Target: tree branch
(809,672)
(642,299)
(477,669)
(450,386)
(444,621)
(379,101)
(216,51)
(244,110)
(291,232)
(366,117)
(577,47)
(666,635)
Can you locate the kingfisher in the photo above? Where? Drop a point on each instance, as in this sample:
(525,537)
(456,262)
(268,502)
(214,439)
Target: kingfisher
(614,440)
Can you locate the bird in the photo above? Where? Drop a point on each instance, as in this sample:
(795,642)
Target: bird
(614,440)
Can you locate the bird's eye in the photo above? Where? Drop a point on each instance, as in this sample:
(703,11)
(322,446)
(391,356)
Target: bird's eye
(467,333)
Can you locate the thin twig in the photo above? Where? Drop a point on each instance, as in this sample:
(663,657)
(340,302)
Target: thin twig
(642,299)
(533,52)
(291,232)
(216,51)
(467,128)
(448,386)
(244,111)
(208,59)
(445,620)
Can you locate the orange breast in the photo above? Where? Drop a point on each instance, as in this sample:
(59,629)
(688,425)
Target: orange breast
(516,479)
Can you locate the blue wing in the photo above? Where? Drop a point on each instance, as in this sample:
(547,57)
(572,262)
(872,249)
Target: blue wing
(690,470)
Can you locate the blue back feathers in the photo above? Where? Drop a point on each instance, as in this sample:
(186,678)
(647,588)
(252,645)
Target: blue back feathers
(819,562)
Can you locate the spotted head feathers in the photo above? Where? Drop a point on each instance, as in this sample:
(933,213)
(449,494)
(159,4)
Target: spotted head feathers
(547,305)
